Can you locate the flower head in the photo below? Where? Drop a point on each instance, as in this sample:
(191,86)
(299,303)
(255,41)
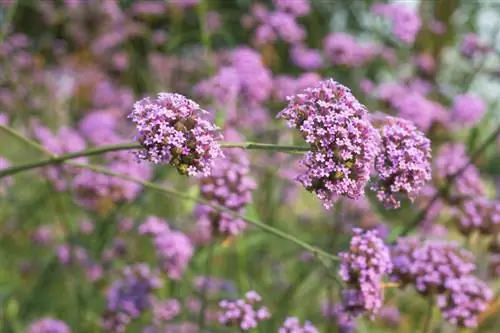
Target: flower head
(343,142)
(48,325)
(363,267)
(172,131)
(468,109)
(403,166)
(292,325)
(243,313)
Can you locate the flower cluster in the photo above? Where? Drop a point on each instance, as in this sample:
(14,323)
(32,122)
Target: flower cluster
(403,166)
(292,325)
(343,49)
(478,214)
(405,22)
(243,313)
(466,298)
(229,186)
(129,297)
(48,325)
(344,320)
(363,268)
(343,142)
(472,46)
(172,131)
(468,109)
(452,157)
(441,268)
(174,249)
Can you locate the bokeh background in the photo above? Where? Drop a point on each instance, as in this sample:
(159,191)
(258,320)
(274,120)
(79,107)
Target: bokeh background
(70,72)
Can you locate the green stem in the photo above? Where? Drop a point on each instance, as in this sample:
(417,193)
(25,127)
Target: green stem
(124,146)
(171,192)
(29,142)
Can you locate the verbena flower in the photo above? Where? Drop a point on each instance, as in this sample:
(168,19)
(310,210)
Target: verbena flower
(345,322)
(129,297)
(165,311)
(296,8)
(468,109)
(478,214)
(451,158)
(292,325)
(390,316)
(430,264)
(405,22)
(404,165)
(343,142)
(363,267)
(465,298)
(230,186)
(472,46)
(423,112)
(243,313)
(344,49)
(172,131)
(48,325)
(173,248)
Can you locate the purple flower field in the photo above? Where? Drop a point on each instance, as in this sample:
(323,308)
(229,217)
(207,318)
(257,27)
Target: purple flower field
(265,166)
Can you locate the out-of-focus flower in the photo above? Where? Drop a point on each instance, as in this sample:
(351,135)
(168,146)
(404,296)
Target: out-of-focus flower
(345,322)
(292,325)
(478,214)
(465,298)
(173,248)
(230,186)
(343,142)
(404,165)
(243,313)
(390,316)
(426,63)
(468,109)
(48,325)
(172,131)
(305,58)
(405,21)
(423,112)
(296,8)
(344,49)
(363,268)
(472,46)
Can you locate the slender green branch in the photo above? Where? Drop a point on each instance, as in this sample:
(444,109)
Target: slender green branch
(123,146)
(171,192)
(20,137)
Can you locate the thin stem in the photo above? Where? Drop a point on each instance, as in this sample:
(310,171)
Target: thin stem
(423,213)
(29,142)
(171,192)
(427,328)
(124,146)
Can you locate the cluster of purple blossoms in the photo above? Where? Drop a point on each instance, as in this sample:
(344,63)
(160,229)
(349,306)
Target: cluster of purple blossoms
(243,313)
(466,298)
(129,297)
(306,58)
(344,320)
(423,112)
(230,186)
(452,157)
(165,311)
(472,46)
(67,140)
(478,214)
(174,249)
(344,49)
(430,264)
(468,109)
(292,325)
(390,316)
(285,85)
(48,325)
(343,142)
(172,131)
(441,268)
(404,165)
(297,8)
(405,22)
(5,182)
(213,285)
(363,268)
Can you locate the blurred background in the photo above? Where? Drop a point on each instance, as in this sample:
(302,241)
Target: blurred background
(71,238)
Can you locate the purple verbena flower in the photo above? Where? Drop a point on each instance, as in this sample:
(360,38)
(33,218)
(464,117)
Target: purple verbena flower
(465,298)
(472,46)
(343,142)
(292,325)
(345,322)
(478,214)
(468,109)
(172,131)
(243,313)
(296,8)
(48,325)
(404,165)
(405,22)
(364,266)
(305,58)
